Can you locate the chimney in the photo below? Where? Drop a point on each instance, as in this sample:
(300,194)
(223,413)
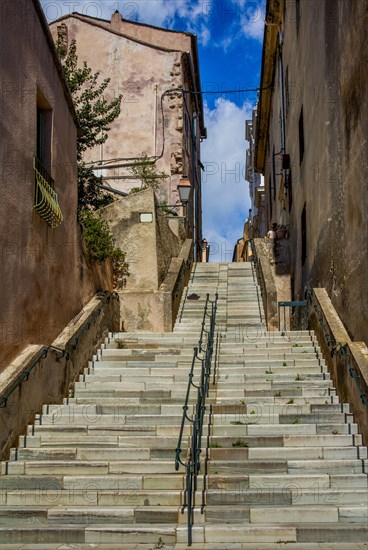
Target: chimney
(116,20)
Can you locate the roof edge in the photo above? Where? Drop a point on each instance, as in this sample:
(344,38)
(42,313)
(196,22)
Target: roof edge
(94,23)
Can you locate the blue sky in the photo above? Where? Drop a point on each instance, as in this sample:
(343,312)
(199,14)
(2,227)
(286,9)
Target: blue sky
(230,36)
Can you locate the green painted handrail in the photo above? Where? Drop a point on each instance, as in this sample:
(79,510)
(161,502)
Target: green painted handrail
(336,347)
(45,349)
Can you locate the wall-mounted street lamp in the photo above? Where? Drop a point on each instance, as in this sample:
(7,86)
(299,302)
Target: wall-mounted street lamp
(184,190)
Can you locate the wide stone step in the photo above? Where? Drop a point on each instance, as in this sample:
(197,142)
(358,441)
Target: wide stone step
(238,439)
(267,480)
(114,514)
(283,429)
(74,534)
(258,408)
(101,440)
(131,416)
(93,453)
(256,535)
(292,418)
(128,495)
(66,467)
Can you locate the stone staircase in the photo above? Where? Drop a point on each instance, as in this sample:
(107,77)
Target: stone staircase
(285,463)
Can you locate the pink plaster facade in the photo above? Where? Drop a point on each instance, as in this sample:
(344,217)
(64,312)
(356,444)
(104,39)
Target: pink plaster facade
(44,280)
(146,65)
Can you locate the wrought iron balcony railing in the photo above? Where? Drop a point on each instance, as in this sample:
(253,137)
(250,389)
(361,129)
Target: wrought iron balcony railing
(46,201)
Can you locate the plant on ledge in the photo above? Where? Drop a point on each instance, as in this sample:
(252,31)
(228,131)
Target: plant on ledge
(145,171)
(100,246)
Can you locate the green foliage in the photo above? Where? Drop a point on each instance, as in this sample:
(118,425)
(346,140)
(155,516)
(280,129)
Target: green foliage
(120,344)
(159,544)
(215,446)
(100,246)
(135,190)
(95,115)
(240,443)
(145,171)
(89,194)
(238,423)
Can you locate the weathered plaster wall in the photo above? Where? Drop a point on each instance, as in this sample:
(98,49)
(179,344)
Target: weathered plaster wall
(149,246)
(327,64)
(142,74)
(156,310)
(151,250)
(44,280)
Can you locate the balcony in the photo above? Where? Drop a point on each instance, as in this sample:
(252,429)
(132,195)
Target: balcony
(46,201)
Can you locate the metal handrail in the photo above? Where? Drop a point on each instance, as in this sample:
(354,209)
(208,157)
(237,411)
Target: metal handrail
(260,281)
(301,304)
(193,463)
(336,347)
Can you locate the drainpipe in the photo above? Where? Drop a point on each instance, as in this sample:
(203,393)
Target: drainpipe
(282,103)
(154,118)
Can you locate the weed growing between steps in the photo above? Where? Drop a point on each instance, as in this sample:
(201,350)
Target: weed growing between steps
(120,344)
(240,443)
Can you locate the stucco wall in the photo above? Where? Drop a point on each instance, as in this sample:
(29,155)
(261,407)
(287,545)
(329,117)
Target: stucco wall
(327,64)
(152,249)
(44,280)
(149,246)
(156,310)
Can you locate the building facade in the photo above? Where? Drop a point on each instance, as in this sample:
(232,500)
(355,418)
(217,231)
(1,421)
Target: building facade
(312,147)
(44,280)
(150,67)
(257,214)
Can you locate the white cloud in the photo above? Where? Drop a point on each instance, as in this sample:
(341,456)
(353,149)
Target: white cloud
(225,192)
(252,21)
(161,13)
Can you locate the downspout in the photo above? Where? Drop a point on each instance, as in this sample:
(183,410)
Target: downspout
(282,99)
(154,118)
